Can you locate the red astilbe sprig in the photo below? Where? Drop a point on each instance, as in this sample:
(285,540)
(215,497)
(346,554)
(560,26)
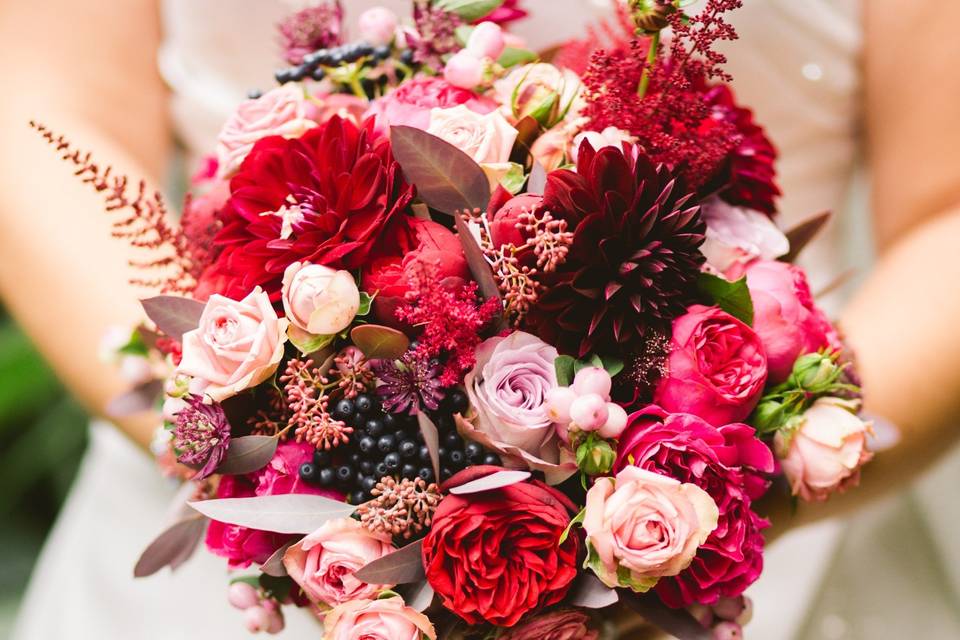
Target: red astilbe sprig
(305,394)
(146,225)
(452,319)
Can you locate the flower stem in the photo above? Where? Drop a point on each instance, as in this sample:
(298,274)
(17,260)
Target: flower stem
(651,58)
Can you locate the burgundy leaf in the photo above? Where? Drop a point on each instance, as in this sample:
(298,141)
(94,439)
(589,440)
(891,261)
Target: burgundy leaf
(801,235)
(247,454)
(528,130)
(496,480)
(479,267)
(675,622)
(431,438)
(588,592)
(172,547)
(142,397)
(377,341)
(417,596)
(274,564)
(403,566)
(173,315)
(446,178)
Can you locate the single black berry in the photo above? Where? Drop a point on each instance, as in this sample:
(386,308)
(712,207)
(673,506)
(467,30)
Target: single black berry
(253,94)
(367,444)
(408,449)
(423,455)
(284,75)
(457,401)
(364,403)
(452,440)
(473,451)
(456,458)
(400,435)
(382,52)
(491,458)
(386,443)
(344,474)
(354,459)
(381,469)
(445,472)
(327,477)
(408,471)
(318,73)
(367,467)
(426,473)
(367,483)
(407,58)
(391,422)
(392,460)
(374,427)
(344,409)
(358,497)
(309,473)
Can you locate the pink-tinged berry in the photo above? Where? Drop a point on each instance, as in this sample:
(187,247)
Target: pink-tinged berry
(558,402)
(747,614)
(616,422)
(729,608)
(486,41)
(464,70)
(266,617)
(242,595)
(589,412)
(592,380)
(728,631)
(378,26)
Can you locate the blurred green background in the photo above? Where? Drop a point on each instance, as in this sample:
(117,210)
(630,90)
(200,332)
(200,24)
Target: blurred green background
(43,433)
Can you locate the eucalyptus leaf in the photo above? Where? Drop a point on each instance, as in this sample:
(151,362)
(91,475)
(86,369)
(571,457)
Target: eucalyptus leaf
(274,564)
(284,513)
(446,178)
(404,566)
(172,547)
(173,315)
(431,438)
(247,454)
(537,182)
(418,595)
(588,592)
(141,398)
(564,366)
(496,480)
(469,10)
(732,297)
(479,268)
(802,234)
(675,622)
(379,342)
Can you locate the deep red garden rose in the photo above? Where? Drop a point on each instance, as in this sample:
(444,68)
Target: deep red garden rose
(716,368)
(411,102)
(331,197)
(785,316)
(494,556)
(730,464)
(424,243)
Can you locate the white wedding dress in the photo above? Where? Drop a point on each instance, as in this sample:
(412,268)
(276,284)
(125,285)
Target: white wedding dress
(796,64)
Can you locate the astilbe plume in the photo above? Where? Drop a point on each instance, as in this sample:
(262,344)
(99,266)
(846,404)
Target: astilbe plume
(452,319)
(307,400)
(311,28)
(146,225)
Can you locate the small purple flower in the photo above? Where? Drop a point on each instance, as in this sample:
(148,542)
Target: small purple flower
(409,384)
(201,436)
(312,28)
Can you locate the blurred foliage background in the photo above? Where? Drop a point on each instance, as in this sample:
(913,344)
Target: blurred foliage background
(43,433)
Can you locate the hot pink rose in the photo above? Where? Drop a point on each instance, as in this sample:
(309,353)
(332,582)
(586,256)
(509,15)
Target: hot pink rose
(323,563)
(642,526)
(716,368)
(319,300)
(563,624)
(824,453)
(384,619)
(731,465)
(411,102)
(785,317)
(279,112)
(238,344)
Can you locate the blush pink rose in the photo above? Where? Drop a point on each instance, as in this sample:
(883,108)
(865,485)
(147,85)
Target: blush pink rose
(825,452)
(411,102)
(238,344)
(716,368)
(319,300)
(563,624)
(384,619)
(279,112)
(785,316)
(642,526)
(323,563)
(487,138)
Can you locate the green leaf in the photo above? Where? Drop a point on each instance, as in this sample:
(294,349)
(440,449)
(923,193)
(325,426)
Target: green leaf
(379,342)
(577,519)
(612,364)
(514,179)
(593,361)
(469,10)
(135,345)
(732,297)
(513,56)
(306,342)
(564,366)
(366,301)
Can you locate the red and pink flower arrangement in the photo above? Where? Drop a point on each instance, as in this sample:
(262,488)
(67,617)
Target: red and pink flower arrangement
(452,337)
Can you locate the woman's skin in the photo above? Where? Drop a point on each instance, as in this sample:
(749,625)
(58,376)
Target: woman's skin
(88,70)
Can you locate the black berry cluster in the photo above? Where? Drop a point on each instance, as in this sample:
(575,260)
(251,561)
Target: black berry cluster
(314,63)
(388,444)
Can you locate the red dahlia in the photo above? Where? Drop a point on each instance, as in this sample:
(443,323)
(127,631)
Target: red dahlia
(635,255)
(330,197)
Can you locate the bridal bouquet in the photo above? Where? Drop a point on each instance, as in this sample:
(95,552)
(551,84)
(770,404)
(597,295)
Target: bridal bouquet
(457,342)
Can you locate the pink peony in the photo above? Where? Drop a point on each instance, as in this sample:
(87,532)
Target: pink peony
(642,526)
(716,368)
(238,344)
(318,299)
(411,102)
(736,235)
(383,619)
(727,462)
(824,453)
(784,315)
(279,112)
(562,624)
(323,563)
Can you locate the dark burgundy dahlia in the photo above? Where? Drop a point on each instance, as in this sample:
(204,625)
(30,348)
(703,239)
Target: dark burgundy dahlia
(330,197)
(635,255)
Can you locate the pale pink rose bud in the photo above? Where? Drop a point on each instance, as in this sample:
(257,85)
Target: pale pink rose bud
(729,608)
(616,422)
(593,380)
(256,619)
(242,595)
(464,70)
(378,26)
(727,631)
(558,402)
(589,412)
(486,41)
(318,299)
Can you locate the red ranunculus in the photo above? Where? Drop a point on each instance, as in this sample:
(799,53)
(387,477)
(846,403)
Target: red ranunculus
(503,227)
(330,197)
(730,464)
(716,368)
(494,556)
